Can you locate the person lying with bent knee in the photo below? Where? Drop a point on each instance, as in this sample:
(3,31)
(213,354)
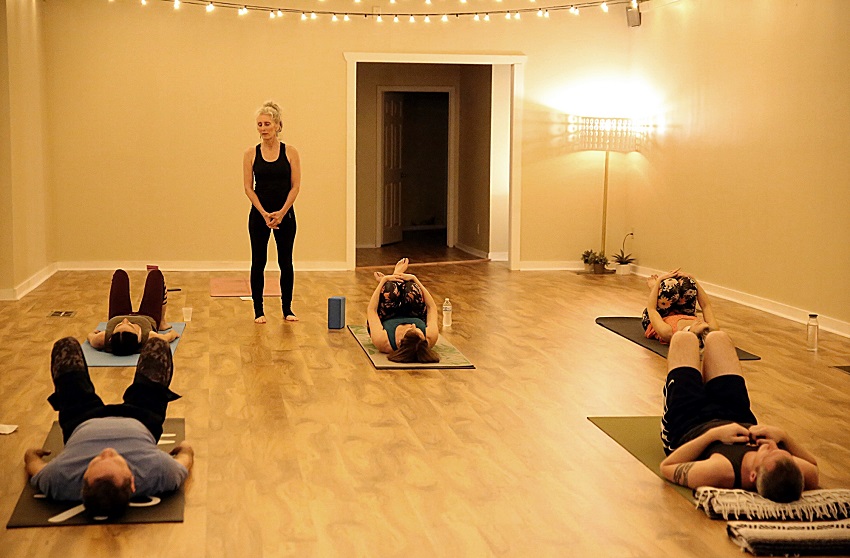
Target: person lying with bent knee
(710,435)
(111,452)
(402,317)
(127,331)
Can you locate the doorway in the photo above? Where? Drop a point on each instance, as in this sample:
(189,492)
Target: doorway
(502,223)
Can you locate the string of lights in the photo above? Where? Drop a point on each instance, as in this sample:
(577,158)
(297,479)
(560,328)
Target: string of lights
(396,16)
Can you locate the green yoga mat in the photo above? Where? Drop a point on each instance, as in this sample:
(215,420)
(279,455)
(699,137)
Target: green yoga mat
(632,329)
(34,510)
(450,357)
(641,437)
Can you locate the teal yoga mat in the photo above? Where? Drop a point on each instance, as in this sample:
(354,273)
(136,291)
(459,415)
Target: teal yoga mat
(95,358)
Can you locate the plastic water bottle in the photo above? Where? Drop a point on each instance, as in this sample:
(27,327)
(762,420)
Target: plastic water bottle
(811,332)
(447,313)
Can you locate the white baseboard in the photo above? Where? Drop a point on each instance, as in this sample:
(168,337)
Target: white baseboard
(470,250)
(29,284)
(498,256)
(551,266)
(792,313)
(197,266)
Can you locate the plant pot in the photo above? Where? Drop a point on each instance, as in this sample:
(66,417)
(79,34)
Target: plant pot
(588,267)
(624,269)
(598,268)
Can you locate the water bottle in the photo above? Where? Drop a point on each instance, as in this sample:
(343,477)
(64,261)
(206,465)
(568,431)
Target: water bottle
(811,332)
(447,313)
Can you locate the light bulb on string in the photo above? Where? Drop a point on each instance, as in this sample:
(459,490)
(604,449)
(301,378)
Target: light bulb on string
(445,18)
(210,7)
(395,19)
(546,14)
(345,17)
(379,19)
(271,14)
(486,17)
(144,2)
(516,15)
(540,12)
(242,11)
(279,13)
(507,15)
(334,18)
(412,19)
(476,18)
(604,6)
(427,19)
(303,16)
(313,15)
(176,4)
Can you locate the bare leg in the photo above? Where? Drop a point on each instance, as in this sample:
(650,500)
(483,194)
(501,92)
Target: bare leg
(684,351)
(401,266)
(719,356)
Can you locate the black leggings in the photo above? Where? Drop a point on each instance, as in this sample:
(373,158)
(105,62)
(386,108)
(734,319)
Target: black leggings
(284,237)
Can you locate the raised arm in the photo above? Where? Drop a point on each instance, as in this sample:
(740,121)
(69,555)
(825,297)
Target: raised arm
(804,458)
(376,328)
(248,182)
(33,462)
(705,304)
(432,327)
(662,328)
(681,467)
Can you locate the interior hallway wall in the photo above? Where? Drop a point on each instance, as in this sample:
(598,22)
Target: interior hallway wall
(749,186)
(25,217)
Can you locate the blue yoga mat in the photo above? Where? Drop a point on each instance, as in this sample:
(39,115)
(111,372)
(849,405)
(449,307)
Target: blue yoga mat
(96,358)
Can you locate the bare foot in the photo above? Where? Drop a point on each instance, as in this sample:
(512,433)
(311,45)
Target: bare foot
(378,276)
(650,281)
(401,266)
(291,318)
(260,320)
(164,326)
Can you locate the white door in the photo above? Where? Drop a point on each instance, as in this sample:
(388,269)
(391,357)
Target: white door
(391,206)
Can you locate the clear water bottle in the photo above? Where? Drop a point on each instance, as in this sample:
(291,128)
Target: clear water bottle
(811,333)
(447,313)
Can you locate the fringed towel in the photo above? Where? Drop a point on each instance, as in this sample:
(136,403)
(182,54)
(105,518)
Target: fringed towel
(814,505)
(824,538)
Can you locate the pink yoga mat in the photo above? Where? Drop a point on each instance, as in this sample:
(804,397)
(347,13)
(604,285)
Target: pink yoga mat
(240,286)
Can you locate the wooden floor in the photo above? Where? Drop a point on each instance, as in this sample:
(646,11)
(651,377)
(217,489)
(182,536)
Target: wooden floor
(420,247)
(303,449)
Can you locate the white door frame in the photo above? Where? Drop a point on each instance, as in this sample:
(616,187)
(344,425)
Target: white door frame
(453,155)
(516,62)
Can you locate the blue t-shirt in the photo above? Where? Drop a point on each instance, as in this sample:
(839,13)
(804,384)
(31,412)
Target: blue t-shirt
(391,325)
(154,470)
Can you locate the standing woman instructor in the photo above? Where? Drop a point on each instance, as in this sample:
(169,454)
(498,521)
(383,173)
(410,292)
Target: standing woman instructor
(272,180)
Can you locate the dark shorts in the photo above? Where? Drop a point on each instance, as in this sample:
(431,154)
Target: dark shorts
(689,404)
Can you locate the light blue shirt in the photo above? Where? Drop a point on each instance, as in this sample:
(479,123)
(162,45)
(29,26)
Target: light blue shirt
(154,470)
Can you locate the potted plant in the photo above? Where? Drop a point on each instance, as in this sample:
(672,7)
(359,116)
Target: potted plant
(585,258)
(599,261)
(624,260)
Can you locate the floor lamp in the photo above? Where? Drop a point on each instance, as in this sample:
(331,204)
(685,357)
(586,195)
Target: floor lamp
(588,133)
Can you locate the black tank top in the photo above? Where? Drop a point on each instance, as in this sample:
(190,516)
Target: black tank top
(272,180)
(733,452)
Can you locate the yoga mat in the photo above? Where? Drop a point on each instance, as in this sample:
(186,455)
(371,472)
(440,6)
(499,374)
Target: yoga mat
(34,510)
(450,357)
(641,437)
(631,329)
(95,358)
(241,286)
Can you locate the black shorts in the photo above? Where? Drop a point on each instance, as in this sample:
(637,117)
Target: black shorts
(688,403)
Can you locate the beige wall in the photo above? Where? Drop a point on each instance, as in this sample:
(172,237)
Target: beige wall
(749,186)
(7,282)
(23,184)
(474,164)
(149,111)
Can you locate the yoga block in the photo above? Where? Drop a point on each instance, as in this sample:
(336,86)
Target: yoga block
(336,312)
